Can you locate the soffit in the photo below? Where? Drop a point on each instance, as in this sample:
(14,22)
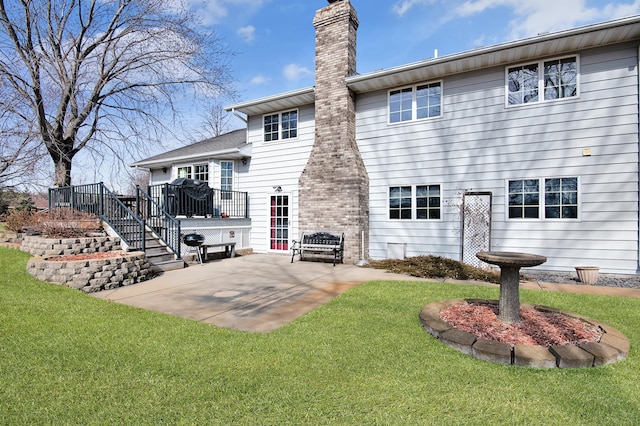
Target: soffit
(275,103)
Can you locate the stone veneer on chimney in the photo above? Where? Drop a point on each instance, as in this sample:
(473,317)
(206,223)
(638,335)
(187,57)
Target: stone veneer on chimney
(334,186)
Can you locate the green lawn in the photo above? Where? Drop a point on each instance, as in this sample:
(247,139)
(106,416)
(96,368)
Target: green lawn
(362,359)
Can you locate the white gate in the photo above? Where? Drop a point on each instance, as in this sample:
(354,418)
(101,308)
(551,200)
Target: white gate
(476,228)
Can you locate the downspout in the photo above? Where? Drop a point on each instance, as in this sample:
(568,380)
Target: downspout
(234,112)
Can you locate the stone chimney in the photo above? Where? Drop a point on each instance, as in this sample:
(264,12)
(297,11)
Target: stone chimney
(334,186)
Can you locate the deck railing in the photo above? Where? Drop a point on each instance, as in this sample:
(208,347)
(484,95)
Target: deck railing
(178,200)
(128,216)
(99,200)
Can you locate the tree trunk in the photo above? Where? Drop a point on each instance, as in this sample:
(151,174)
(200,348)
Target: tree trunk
(63,171)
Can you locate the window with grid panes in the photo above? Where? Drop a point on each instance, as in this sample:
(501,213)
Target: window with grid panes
(271,127)
(561,198)
(428,202)
(226,179)
(281,126)
(184,172)
(557,198)
(201,172)
(400,202)
(415,103)
(555,79)
(524,199)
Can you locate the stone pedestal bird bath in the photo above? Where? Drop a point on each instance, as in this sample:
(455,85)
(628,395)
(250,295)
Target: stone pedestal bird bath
(510,264)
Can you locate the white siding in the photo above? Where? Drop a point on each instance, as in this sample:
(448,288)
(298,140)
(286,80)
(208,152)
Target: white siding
(479,144)
(275,164)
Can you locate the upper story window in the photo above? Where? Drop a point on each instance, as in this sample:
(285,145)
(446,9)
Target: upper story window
(542,81)
(415,103)
(556,198)
(283,125)
(420,202)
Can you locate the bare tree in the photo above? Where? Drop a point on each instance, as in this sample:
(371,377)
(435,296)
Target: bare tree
(95,73)
(138,177)
(216,121)
(20,153)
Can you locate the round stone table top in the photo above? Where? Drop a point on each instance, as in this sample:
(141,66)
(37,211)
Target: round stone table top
(511,258)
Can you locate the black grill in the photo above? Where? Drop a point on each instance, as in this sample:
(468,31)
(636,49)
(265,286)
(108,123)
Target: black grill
(193,240)
(191,197)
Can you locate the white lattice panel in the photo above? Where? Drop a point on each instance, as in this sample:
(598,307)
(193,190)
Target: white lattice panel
(477,227)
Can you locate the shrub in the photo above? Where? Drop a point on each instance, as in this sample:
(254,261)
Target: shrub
(64,223)
(16,220)
(67,223)
(436,267)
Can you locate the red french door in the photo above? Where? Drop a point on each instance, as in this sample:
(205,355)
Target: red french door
(279,235)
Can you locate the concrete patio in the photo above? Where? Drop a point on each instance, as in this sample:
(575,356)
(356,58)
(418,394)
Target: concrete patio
(258,292)
(261,292)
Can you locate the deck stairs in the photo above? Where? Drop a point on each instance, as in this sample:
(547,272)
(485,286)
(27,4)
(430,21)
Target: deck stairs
(160,257)
(141,224)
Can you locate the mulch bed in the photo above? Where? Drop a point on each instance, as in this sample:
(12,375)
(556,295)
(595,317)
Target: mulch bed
(535,327)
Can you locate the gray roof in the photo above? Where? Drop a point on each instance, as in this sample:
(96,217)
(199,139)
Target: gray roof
(230,145)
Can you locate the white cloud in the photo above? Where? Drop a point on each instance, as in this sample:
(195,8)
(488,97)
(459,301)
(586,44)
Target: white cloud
(258,80)
(531,17)
(214,11)
(247,33)
(402,7)
(294,72)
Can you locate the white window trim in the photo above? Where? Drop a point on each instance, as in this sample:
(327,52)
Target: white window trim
(191,167)
(279,114)
(541,206)
(233,173)
(193,171)
(414,204)
(290,222)
(541,99)
(414,103)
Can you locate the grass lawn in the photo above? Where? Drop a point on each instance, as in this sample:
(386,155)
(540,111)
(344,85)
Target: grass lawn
(362,359)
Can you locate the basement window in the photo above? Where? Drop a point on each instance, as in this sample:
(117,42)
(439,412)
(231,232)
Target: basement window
(280,126)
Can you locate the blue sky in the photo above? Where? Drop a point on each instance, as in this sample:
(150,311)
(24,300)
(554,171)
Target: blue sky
(274,39)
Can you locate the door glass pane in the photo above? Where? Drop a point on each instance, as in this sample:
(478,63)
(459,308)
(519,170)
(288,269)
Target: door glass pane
(279,237)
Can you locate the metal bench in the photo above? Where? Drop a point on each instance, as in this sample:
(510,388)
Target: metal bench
(319,243)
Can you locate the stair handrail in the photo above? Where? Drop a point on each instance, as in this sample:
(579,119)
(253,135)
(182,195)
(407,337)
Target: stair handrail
(170,226)
(118,223)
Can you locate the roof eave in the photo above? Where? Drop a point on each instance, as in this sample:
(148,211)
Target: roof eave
(228,154)
(601,34)
(277,102)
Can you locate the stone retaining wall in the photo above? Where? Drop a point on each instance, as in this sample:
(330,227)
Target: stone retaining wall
(47,247)
(10,237)
(92,275)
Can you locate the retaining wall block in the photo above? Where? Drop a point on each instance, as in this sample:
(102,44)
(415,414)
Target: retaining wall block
(109,268)
(98,281)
